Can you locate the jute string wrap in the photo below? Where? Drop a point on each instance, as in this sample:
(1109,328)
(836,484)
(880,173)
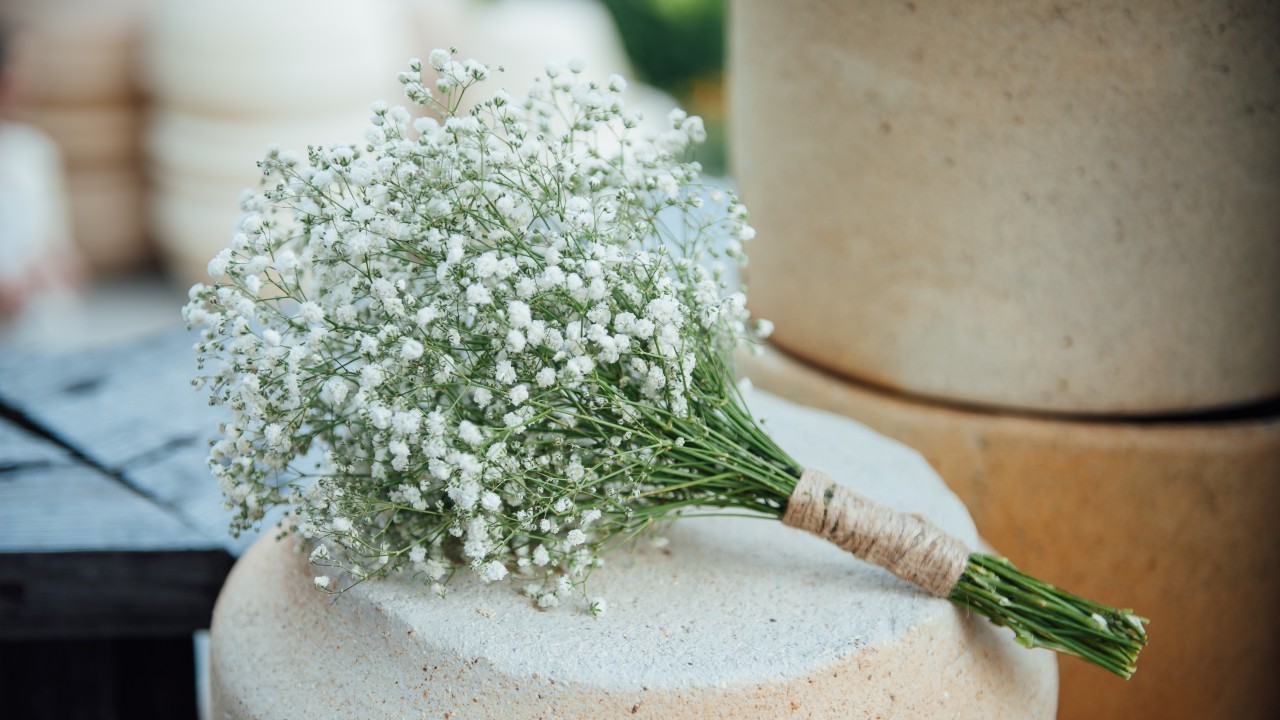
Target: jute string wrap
(907,545)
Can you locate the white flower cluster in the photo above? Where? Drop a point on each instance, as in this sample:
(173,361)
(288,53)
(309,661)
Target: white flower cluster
(494,328)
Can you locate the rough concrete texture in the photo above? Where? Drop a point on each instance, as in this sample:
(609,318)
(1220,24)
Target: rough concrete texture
(1052,205)
(736,617)
(1173,519)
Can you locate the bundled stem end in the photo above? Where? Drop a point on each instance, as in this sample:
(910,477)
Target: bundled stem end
(1042,616)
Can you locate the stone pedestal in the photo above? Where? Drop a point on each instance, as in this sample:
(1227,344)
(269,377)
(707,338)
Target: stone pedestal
(1055,206)
(735,617)
(1173,519)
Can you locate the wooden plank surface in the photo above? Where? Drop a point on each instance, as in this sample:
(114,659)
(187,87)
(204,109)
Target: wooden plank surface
(86,550)
(130,412)
(115,405)
(20,450)
(182,478)
(73,507)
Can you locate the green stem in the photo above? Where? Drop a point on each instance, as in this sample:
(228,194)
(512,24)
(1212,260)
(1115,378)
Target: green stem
(1042,616)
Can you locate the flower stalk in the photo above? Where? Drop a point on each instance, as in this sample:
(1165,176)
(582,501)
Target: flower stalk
(498,340)
(1042,616)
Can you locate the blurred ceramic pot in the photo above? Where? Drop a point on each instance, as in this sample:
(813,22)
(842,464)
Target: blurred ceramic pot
(81,52)
(228,149)
(238,58)
(1053,206)
(107,220)
(104,134)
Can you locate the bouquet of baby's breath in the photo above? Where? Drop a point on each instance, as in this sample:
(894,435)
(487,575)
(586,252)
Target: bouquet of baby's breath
(506,334)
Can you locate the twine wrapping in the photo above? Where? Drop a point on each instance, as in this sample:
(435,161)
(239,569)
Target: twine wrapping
(907,545)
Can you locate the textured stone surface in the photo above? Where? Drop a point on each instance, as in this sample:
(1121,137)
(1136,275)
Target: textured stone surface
(1060,206)
(1174,519)
(734,618)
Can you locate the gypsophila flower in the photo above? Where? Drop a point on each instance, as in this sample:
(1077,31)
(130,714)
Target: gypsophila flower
(507,333)
(489,323)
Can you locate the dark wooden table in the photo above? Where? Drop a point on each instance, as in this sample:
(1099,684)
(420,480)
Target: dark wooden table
(113,542)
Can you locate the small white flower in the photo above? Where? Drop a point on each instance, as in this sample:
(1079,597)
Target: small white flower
(334,391)
(411,349)
(478,295)
(505,372)
(516,341)
(470,433)
(311,313)
(490,501)
(372,375)
(407,423)
(493,571)
(518,314)
(219,264)
(274,435)
(426,315)
(485,265)
(540,556)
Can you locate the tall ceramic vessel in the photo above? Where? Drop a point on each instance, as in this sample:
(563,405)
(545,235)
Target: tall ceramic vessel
(1039,224)
(1054,206)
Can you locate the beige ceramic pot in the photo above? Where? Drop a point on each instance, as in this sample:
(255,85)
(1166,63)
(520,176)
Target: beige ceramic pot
(1057,206)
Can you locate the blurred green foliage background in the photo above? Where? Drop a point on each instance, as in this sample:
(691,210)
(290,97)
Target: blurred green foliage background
(678,46)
